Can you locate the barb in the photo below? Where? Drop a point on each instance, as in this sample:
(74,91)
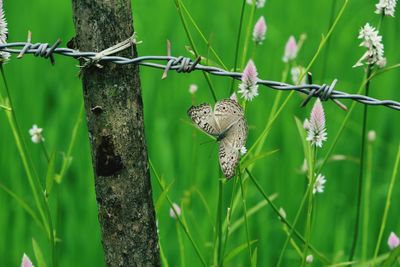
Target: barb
(183,64)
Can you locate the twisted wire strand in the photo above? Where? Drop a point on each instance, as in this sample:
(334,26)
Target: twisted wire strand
(186,65)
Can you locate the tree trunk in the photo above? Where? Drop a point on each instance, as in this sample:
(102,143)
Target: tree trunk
(114,112)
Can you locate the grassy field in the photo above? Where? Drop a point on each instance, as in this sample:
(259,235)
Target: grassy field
(51,97)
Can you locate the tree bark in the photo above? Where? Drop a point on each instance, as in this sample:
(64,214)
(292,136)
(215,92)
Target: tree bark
(114,112)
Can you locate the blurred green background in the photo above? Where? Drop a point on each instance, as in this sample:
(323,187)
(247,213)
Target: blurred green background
(51,96)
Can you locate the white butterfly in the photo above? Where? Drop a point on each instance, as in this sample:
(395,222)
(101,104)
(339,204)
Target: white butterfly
(228,124)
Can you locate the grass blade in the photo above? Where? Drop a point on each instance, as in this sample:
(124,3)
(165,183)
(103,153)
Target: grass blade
(50,173)
(38,254)
(236,251)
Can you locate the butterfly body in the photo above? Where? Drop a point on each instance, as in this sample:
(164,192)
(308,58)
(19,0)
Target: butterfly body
(226,122)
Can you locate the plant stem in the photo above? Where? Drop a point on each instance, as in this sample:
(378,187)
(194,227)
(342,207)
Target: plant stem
(367,195)
(388,202)
(33,180)
(328,44)
(228,220)
(181,246)
(202,36)
(296,219)
(238,43)
(218,236)
(248,35)
(312,177)
(183,225)
(245,219)
(45,152)
(206,76)
(317,53)
(361,170)
(284,220)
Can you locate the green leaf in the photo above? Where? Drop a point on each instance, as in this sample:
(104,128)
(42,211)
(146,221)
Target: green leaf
(236,251)
(38,254)
(50,173)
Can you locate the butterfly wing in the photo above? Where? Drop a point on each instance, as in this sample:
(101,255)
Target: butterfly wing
(227,112)
(203,117)
(237,134)
(230,145)
(228,158)
(227,122)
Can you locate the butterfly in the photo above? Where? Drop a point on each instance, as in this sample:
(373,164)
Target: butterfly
(228,124)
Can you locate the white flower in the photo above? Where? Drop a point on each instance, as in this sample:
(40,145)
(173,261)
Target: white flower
(248,87)
(36,134)
(259,3)
(393,241)
(316,132)
(172,211)
(309,259)
(386,7)
(26,262)
(381,62)
(371,136)
(193,88)
(243,150)
(4,56)
(290,50)
(373,42)
(260,28)
(319,184)
(296,72)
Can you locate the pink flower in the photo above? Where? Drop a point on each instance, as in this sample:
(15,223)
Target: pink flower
(393,241)
(316,132)
(290,50)
(260,28)
(26,262)
(248,87)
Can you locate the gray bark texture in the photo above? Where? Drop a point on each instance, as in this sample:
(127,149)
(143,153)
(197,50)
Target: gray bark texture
(114,112)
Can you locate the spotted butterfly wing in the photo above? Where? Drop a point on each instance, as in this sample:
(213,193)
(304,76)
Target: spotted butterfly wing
(227,112)
(203,116)
(228,124)
(230,145)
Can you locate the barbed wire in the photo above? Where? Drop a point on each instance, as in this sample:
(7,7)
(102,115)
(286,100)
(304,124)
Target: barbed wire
(185,65)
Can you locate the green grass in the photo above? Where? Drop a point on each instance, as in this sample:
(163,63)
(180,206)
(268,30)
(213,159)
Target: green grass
(51,96)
